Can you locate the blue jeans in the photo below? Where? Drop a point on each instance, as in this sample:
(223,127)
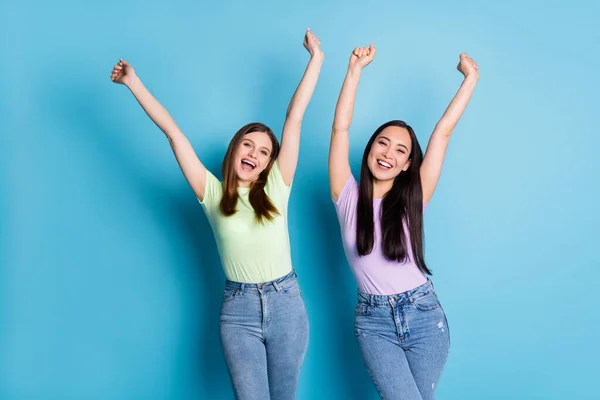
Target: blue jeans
(404,341)
(264,334)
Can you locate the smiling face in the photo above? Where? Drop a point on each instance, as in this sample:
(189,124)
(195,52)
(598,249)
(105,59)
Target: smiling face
(252,156)
(390,153)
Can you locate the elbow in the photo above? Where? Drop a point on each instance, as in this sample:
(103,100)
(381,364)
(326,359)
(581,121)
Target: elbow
(175,138)
(445,128)
(447,132)
(293,117)
(340,128)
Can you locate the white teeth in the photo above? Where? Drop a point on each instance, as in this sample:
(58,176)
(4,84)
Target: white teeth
(384,164)
(250,163)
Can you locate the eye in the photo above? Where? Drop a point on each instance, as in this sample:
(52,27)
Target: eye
(247,144)
(264,153)
(382,143)
(401,151)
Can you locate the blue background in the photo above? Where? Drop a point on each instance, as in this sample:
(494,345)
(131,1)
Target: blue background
(110,283)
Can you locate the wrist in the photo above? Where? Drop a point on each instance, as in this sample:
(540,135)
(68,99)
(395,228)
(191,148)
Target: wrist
(318,56)
(354,70)
(472,76)
(133,82)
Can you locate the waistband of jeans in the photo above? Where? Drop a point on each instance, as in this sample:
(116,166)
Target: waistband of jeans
(277,284)
(385,300)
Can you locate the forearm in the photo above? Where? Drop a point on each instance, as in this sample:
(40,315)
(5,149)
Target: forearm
(157,113)
(305,90)
(458,105)
(344,109)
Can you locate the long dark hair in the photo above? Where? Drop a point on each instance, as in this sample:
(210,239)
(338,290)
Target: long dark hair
(403,202)
(260,202)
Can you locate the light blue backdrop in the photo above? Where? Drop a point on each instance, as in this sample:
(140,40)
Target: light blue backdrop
(110,283)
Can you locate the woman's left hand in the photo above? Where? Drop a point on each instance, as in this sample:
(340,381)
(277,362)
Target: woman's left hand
(312,44)
(467,66)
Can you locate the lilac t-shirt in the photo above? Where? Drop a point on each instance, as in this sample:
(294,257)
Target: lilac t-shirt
(374,273)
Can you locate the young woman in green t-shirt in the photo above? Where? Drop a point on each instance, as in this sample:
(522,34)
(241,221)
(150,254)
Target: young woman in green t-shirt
(264,327)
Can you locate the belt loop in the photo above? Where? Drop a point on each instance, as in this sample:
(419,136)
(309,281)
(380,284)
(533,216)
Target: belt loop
(371,301)
(242,287)
(276,286)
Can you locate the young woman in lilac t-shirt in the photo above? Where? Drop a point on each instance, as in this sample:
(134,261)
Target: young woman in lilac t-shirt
(400,326)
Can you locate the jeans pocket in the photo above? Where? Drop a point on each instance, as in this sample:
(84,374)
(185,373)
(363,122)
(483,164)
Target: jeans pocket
(427,302)
(229,295)
(362,310)
(293,292)
(447,329)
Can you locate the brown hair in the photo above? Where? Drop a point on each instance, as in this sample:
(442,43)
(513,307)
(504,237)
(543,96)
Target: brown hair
(260,202)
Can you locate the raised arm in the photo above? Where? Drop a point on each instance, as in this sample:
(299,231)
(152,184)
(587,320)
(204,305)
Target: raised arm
(431,167)
(339,166)
(190,165)
(290,140)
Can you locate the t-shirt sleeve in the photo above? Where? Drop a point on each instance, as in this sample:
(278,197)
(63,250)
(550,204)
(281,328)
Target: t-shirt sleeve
(276,187)
(212,192)
(345,205)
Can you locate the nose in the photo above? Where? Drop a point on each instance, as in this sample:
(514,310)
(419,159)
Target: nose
(388,153)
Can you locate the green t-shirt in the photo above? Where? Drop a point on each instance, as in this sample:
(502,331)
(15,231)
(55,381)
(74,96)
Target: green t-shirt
(251,252)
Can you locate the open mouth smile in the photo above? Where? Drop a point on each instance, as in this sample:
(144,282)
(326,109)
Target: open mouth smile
(384,165)
(248,165)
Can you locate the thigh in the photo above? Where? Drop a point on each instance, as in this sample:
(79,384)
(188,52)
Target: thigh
(244,348)
(428,345)
(384,358)
(286,337)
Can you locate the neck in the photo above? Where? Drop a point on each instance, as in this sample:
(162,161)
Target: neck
(244,184)
(380,188)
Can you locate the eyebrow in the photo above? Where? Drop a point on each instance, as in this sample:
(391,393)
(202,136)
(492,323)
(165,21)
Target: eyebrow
(386,138)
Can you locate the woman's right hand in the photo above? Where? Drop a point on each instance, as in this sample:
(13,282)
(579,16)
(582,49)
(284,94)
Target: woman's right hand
(123,73)
(361,57)
(467,66)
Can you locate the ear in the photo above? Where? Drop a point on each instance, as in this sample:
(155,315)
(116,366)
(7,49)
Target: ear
(406,165)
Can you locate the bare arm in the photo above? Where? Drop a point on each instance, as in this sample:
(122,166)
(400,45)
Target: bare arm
(290,140)
(431,168)
(339,165)
(190,165)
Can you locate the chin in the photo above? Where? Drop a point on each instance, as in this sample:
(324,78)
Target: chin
(384,178)
(240,174)
(246,176)
(381,175)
